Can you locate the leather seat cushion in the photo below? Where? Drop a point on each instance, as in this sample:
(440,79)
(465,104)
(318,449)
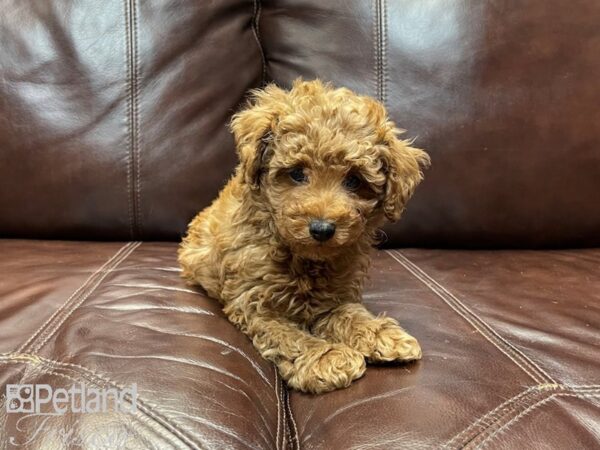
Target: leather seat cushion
(511,355)
(510,341)
(113,314)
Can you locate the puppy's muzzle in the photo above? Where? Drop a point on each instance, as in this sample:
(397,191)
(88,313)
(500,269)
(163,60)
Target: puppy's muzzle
(321,230)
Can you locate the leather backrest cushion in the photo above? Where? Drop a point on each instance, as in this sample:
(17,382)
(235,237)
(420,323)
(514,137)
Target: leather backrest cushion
(113,117)
(113,114)
(504,96)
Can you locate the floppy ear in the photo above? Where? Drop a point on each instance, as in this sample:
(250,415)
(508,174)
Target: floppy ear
(403,166)
(251,129)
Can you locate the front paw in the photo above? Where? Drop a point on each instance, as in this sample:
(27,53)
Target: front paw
(394,344)
(383,340)
(332,366)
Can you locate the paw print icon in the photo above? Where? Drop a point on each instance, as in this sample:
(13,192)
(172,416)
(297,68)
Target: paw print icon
(19,398)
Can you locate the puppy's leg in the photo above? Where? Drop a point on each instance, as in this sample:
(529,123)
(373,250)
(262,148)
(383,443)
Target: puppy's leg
(306,362)
(377,338)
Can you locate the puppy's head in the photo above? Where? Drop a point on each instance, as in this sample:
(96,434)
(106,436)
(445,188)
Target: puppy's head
(326,162)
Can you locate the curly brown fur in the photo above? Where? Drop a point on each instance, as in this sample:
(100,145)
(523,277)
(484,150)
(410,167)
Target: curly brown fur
(299,299)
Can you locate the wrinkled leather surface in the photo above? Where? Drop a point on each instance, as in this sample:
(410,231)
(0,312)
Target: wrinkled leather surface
(117,314)
(511,356)
(503,95)
(113,114)
(510,339)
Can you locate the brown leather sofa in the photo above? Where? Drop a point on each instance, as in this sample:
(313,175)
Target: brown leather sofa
(113,133)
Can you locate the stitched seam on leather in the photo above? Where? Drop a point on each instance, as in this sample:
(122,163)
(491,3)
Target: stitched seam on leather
(510,346)
(84,297)
(284,419)
(431,284)
(132,107)
(128,91)
(515,355)
(89,376)
(380,44)
(282,422)
(23,348)
(482,422)
(514,420)
(256,31)
(541,390)
(276,386)
(376,47)
(384,37)
(294,429)
(508,408)
(136,128)
(491,419)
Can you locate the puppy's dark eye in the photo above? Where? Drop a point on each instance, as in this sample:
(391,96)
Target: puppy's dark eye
(352,182)
(297,174)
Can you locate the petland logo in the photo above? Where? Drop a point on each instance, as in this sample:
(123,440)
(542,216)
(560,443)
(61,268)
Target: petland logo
(42,399)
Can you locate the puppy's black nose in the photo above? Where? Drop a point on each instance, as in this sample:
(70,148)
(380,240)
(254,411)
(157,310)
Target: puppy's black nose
(321,230)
